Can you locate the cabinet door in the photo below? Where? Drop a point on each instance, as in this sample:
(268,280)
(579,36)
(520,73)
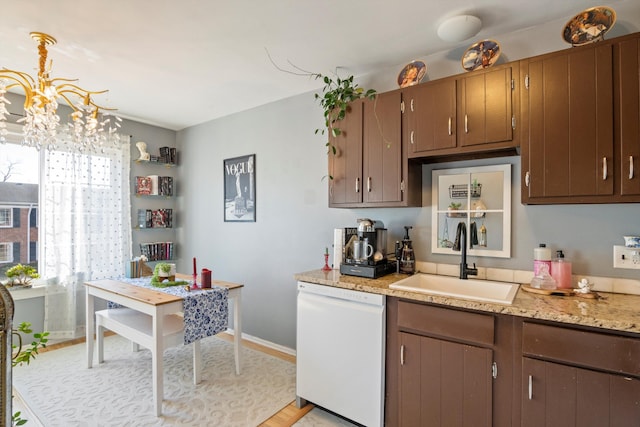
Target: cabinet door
(430,116)
(444,383)
(561,395)
(382,149)
(567,148)
(485,107)
(345,166)
(629,113)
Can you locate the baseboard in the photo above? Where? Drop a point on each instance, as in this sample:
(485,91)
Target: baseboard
(265,343)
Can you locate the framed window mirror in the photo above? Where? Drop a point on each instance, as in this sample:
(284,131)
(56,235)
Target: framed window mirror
(479,197)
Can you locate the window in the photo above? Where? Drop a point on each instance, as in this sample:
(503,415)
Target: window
(19,188)
(6,217)
(6,254)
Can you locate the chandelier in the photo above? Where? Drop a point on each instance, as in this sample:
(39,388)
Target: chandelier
(90,126)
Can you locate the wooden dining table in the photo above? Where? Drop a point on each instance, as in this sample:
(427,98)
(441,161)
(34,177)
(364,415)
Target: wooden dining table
(156,304)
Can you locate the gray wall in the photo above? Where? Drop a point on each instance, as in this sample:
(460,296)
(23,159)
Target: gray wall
(294,224)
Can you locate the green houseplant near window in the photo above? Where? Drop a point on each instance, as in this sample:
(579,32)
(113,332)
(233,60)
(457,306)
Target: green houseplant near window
(21,275)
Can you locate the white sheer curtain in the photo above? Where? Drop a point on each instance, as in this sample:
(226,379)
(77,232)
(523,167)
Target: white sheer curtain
(85,229)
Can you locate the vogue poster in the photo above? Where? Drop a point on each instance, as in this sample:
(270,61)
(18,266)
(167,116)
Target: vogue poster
(240,189)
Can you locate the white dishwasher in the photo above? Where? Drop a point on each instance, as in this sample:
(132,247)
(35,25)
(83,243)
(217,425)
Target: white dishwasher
(340,352)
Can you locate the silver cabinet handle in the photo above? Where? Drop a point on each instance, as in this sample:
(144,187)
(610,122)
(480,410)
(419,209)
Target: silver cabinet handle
(527,178)
(357,185)
(449,126)
(402,354)
(411,137)
(604,168)
(530,387)
(466,124)
(412,105)
(630,167)
(369,184)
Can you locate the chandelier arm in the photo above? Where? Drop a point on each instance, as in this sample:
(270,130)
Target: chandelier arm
(81,93)
(8,73)
(76,87)
(23,83)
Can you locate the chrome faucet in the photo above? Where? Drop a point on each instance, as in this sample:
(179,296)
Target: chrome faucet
(461,244)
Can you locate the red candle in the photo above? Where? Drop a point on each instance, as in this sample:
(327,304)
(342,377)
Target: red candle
(194,266)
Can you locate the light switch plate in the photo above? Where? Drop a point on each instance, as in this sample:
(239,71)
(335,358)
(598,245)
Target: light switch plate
(624,257)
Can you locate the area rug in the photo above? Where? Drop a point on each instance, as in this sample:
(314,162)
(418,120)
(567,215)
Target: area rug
(61,391)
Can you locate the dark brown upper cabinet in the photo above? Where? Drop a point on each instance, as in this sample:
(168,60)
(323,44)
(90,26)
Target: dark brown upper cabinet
(468,114)
(370,167)
(627,94)
(580,132)
(345,166)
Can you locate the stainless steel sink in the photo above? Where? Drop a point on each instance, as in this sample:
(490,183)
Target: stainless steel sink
(471,289)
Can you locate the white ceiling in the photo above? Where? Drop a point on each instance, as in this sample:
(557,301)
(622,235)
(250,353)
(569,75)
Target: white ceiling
(180,63)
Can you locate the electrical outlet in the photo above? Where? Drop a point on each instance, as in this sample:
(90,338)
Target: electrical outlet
(624,257)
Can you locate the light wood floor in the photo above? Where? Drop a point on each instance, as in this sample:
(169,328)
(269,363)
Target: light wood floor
(286,417)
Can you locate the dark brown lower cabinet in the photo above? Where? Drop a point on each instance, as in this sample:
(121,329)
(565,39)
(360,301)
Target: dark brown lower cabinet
(451,367)
(444,383)
(560,395)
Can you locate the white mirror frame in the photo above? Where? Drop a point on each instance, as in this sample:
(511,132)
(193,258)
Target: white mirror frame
(505,251)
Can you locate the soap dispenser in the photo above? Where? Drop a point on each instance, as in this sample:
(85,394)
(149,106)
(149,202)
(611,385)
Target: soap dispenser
(561,271)
(407,259)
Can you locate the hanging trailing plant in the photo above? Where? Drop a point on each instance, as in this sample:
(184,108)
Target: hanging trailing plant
(335,99)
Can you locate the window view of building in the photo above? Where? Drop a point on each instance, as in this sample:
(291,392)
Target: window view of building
(19,168)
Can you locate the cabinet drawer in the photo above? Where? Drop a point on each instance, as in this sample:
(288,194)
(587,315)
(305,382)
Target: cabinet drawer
(445,322)
(612,353)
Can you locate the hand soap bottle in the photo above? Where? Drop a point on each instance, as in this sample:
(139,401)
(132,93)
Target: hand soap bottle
(561,271)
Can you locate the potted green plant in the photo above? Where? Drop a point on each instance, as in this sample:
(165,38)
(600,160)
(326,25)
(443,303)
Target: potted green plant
(21,276)
(452,208)
(165,271)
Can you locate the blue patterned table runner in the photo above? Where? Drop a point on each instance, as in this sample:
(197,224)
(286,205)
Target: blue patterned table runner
(206,311)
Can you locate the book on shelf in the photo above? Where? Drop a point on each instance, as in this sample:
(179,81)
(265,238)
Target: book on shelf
(155,218)
(143,185)
(157,251)
(168,155)
(154,185)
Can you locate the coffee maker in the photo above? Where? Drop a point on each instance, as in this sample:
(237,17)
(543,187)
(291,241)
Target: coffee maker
(364,250)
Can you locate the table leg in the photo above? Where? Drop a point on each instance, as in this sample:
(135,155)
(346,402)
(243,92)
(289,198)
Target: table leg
(89,305)
(197,362)
(237,326)
(156,355)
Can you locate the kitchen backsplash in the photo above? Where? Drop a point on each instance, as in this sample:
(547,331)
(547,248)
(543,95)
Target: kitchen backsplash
(601,284)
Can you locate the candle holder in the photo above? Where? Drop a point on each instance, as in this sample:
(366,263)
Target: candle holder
(326,263)
(195,282)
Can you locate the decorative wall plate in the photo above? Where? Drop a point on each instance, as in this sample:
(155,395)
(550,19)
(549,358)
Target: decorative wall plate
(482,54)
(412,73)
(589,26)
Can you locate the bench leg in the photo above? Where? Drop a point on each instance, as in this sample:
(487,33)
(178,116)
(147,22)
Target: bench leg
(197,362)
(100,341)
(135,347)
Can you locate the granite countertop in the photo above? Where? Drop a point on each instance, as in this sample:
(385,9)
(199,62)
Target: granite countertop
(619,312)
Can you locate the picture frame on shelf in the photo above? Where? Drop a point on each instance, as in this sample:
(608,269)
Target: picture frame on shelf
(240,189)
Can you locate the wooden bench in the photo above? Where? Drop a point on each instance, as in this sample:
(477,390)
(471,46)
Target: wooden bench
(138,328)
